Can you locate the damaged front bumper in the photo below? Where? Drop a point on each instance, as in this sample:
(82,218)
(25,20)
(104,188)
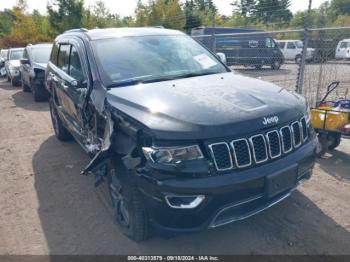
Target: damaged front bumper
(224,198)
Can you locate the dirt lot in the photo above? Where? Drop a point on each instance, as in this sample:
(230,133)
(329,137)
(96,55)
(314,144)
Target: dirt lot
(46,207)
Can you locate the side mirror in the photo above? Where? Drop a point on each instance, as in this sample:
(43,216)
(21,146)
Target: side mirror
(222,57)
(79,84)
(25,61)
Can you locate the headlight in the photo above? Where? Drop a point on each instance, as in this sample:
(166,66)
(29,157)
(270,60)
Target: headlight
(172,155)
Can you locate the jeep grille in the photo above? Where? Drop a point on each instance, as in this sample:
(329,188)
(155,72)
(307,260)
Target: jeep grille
(257,149)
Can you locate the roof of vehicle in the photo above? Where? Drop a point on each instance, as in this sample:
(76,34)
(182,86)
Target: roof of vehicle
(345,40)
(17,48)
(288,40)
(95,34)
(39,45)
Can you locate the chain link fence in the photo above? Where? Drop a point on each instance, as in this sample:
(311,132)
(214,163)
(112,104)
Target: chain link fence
(281,58)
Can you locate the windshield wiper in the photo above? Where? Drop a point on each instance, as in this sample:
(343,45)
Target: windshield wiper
(148,79)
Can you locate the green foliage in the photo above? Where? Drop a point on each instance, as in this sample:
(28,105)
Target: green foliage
(18,27)
(7,19)
(65,14)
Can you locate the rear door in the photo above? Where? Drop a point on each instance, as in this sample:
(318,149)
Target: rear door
(291,51)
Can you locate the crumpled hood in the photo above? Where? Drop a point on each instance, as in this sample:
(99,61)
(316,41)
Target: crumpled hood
(40,65)
(15,63)
(207,106)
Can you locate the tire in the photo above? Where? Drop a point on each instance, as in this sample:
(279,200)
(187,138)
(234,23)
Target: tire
(322,145)
(25,88)
(276,65)
(298,59)
(8,79)
(333,142)
(39,92)
(129,212)
(61,132)
(15,83)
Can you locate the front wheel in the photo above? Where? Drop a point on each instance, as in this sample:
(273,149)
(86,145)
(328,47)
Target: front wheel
(333,142)
(39,92)
(15,82)
(276,65)
(322,145)
(25,88)
(129,212)
(298,59)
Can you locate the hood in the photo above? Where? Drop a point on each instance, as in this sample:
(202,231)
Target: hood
(15,63)
(40,65)
(206,106)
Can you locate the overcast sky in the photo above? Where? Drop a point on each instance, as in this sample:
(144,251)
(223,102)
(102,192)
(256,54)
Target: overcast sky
(127,7)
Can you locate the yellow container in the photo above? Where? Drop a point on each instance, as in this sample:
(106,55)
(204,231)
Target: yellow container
(334,119)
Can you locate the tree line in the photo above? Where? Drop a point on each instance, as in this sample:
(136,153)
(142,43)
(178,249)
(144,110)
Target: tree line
(18,26)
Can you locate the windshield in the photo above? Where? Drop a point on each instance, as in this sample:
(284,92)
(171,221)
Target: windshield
(299,44)
(131,60)
(344,44)
(16,54)
(42,54)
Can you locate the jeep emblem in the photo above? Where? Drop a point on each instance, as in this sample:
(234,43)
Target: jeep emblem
(270,120)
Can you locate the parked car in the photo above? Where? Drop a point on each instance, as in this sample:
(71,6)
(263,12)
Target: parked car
(12,65)
(242,46)
(3,57)
(33,66)
(182,142)
(343,49)
(293,49)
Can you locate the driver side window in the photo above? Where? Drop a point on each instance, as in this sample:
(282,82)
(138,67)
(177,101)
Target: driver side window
(291,45)
(75,69)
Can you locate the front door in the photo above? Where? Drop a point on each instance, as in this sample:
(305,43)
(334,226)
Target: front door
(72,87)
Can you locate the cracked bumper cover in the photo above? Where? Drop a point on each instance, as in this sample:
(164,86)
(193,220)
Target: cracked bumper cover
(228,198)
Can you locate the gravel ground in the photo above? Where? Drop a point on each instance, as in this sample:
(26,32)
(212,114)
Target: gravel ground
(48,208)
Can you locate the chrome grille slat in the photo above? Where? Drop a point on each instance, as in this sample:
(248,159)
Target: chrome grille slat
(242,146)
(270,137)
(296,133)
(304,128)
(213,151)
(241,153)
(256,150)
(286,139)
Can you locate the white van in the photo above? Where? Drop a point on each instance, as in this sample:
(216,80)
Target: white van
(292,50)
(343,49)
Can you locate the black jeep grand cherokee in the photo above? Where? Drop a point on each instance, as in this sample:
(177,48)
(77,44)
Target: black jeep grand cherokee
(182,142)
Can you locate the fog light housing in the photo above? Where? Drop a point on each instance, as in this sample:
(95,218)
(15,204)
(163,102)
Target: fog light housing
(184,202)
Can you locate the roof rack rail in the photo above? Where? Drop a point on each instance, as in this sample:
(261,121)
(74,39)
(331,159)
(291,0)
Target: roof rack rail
(76,30)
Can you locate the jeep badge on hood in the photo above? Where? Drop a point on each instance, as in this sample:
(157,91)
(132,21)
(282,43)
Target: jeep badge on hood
(270,120)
